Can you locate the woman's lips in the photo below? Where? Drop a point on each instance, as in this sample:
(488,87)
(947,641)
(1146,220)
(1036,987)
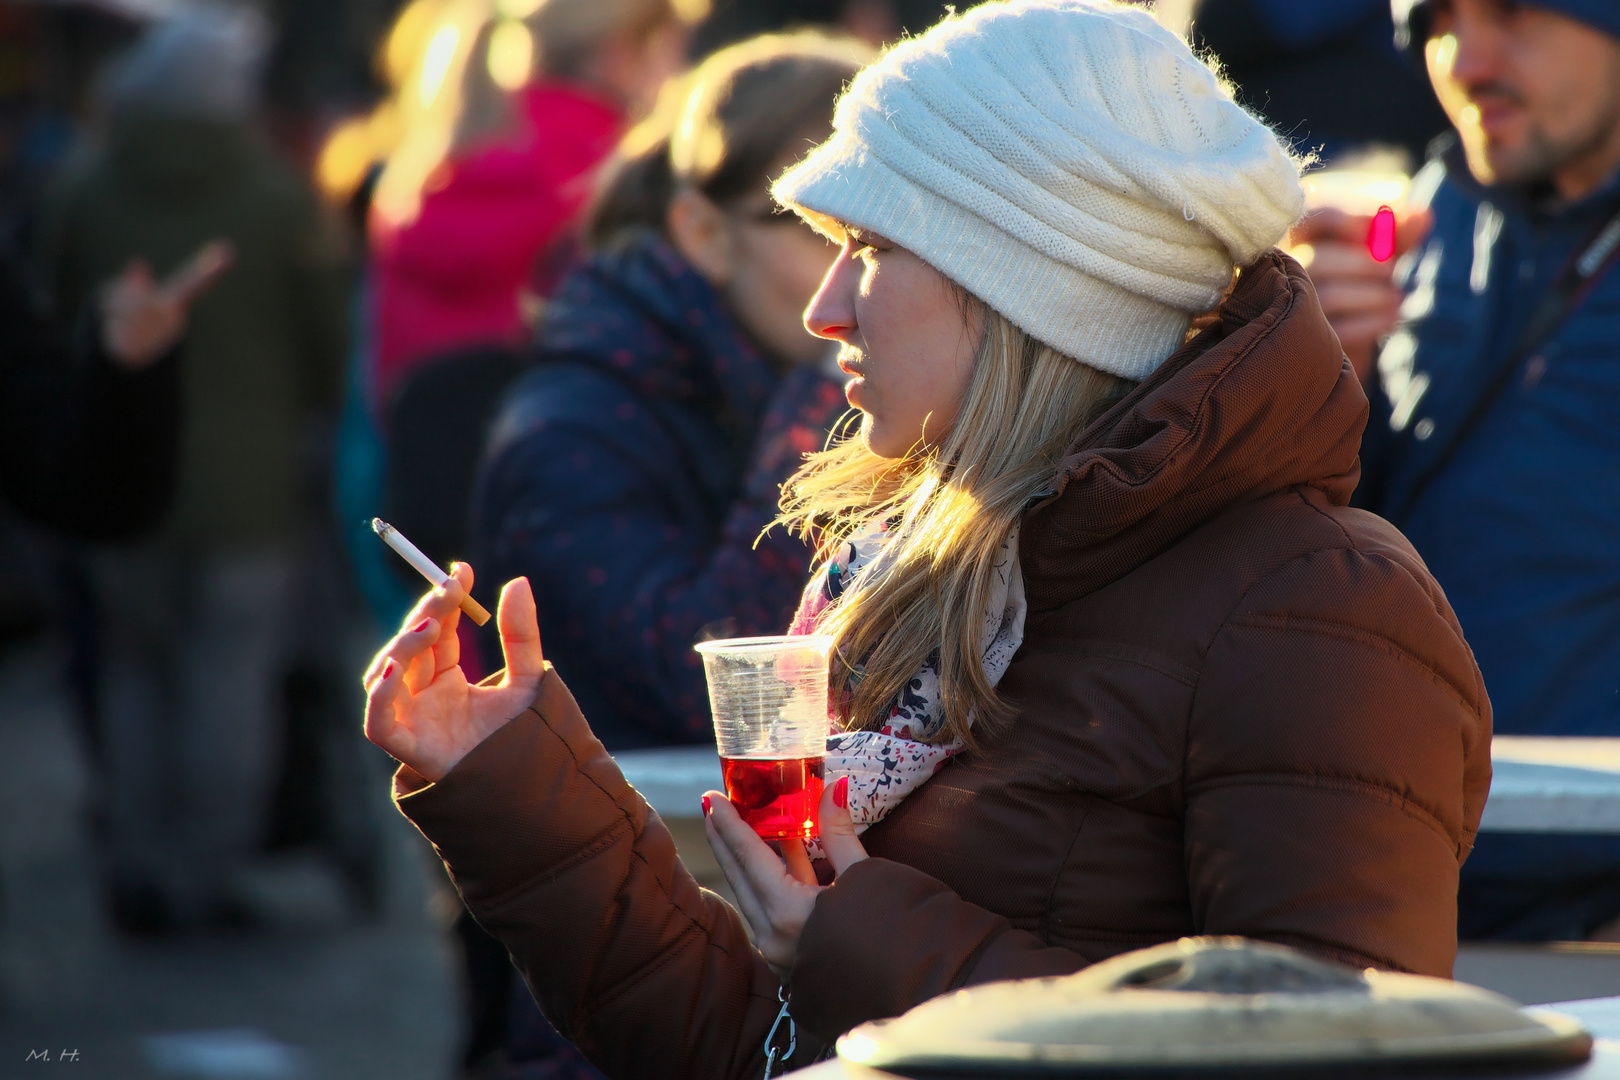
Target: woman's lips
(850,365)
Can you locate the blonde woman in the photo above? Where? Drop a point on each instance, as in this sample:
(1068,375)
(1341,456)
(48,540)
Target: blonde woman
(456,242)
(1117,663)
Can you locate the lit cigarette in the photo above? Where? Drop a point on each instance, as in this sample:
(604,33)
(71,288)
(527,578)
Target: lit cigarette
(425,566)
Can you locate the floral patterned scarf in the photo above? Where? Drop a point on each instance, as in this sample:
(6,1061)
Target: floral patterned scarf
(886,765)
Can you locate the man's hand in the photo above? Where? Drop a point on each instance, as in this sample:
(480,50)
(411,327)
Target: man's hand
(1358,294)
(141,319)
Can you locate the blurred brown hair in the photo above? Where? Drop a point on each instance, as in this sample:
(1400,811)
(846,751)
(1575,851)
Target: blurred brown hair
(722,126)
(568,32)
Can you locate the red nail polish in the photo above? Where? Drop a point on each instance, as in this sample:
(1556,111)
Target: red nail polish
(1381,235)
(388,669)
(421,626)
(705,806)
(841,793)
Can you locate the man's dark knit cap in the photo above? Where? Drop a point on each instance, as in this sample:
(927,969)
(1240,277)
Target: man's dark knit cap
(1412,19)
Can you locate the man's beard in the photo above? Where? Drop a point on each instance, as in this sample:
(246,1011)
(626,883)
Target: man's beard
(1540,156)
(1533,163)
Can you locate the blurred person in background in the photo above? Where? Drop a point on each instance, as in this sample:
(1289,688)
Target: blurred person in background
(631,473)
(873,21)
(1492,442)
(1325,74)
(48,56)
(90,416)
(502,122)
(544,98)
(195,618)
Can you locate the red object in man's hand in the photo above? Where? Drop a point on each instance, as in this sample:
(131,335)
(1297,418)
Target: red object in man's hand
(1381,235)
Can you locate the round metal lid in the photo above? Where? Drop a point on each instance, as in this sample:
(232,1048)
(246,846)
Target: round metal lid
(1203,1005)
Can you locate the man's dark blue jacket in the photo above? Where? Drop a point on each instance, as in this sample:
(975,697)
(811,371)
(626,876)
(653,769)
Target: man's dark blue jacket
(1522,526)
(628,477)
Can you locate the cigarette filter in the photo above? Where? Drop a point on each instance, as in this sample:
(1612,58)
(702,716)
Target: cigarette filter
(425,566)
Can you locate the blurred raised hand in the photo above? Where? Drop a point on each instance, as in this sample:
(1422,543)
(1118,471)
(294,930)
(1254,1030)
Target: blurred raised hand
(142,318)
(1359,295)
(420,707)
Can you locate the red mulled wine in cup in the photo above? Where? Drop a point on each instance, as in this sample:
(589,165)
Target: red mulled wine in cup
(769,699)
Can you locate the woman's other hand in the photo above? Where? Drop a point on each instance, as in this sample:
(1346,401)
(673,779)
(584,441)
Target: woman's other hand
(420,707)
(777,893)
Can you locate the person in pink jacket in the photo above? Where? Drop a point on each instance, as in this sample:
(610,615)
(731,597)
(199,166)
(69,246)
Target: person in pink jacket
(494,216)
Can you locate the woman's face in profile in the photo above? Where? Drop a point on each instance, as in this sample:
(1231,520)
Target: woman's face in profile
(904,336)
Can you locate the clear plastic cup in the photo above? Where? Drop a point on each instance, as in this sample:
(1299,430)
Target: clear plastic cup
(1378,197)
(769,700)
(1358,192)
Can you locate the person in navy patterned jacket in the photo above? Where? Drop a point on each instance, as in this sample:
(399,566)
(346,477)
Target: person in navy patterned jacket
(629,475)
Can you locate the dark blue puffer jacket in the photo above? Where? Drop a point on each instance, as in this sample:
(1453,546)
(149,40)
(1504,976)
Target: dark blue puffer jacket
(628,477)
(1521,526)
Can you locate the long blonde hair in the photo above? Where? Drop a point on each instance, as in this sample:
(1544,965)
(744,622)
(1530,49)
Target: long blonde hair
(955,504)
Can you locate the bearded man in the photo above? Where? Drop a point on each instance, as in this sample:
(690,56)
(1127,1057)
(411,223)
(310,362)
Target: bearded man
(1493,442)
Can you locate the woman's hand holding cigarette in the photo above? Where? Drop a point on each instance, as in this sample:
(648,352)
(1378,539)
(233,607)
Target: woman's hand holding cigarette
(420,707)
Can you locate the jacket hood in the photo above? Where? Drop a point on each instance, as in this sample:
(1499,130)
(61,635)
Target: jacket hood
(1260,401)
(641,313)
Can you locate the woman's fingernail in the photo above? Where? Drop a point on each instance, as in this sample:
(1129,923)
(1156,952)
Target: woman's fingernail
(421,626)
(705,806)
(841,793)
(388,669)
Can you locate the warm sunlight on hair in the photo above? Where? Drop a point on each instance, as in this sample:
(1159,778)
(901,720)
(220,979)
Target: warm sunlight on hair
(511,54)
(952,506)
(436,61)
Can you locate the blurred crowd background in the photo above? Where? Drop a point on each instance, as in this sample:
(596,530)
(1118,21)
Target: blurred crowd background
(503,272)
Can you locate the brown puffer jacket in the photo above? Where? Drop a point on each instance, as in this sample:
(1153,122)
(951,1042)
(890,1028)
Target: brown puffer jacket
(1243,708)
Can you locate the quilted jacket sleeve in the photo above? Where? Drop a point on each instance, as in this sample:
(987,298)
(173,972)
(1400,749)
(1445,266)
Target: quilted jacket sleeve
(1341,730)
(558,857)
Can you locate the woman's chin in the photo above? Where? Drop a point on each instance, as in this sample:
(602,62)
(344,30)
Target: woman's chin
(872,433)
(879,441)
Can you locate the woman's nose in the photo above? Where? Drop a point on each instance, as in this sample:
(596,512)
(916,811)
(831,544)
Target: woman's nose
(831,313)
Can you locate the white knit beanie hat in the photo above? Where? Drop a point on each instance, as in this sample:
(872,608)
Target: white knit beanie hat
(1069,162)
